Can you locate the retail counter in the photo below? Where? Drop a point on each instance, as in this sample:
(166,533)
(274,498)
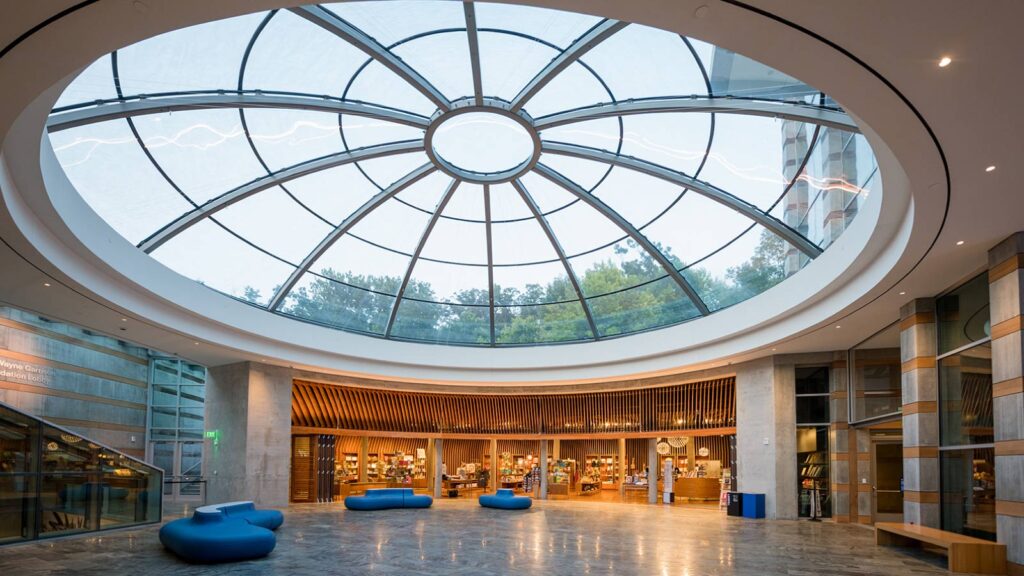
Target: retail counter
(697,488)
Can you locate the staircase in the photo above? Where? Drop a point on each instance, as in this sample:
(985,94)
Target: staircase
(54,482)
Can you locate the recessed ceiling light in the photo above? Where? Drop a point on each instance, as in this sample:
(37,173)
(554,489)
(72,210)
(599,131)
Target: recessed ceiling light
(196,343)
(903,293)
(124,319)
(990,168)
(47,284)
(945,61)
(773,349)
(960,243)
(838,326)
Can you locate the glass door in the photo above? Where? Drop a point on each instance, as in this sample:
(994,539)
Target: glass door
(182,463)
(887,498)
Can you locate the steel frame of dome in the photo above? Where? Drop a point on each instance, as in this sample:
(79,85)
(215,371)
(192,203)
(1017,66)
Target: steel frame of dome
(129,106)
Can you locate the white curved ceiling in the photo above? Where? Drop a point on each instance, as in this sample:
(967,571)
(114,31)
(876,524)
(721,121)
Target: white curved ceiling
(867,306)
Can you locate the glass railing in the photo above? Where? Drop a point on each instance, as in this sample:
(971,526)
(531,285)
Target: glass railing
(54,482)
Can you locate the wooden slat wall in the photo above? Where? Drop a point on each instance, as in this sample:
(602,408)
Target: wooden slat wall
(302,469)
(456,452)
(579,449)
(683,407)
(350,445)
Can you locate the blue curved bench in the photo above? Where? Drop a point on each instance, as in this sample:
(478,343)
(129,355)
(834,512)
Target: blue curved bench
(211,536)
(385,498)
(269,519)
(505,499)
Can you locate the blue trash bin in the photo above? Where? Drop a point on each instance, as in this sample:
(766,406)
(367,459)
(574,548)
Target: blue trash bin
(753,505)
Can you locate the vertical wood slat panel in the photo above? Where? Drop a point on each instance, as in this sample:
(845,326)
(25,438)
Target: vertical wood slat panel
(695,406)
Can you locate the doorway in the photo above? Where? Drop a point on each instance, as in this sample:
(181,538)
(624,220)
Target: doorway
(887,482)
(182,463)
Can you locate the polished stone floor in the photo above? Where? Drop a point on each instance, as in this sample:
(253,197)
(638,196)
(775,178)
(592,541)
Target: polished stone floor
(457,537)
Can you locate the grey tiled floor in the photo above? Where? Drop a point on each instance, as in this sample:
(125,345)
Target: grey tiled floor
(458,537)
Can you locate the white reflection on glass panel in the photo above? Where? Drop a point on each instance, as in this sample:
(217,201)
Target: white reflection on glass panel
(676,141)
(194,147)
(746,158)
(288,137)
(108,168)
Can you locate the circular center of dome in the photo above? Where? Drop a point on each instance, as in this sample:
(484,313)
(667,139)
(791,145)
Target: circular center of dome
(482,146)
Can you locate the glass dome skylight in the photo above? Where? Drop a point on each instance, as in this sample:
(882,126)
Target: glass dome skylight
(447,172)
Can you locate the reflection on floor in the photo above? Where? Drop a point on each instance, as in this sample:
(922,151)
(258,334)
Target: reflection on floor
(458,537)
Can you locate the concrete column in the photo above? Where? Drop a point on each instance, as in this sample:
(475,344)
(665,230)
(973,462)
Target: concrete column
(766,435)
(652,470)
(438,456)
(364,458)
(249,405)
(920,413)
(1006,299)
(843,465)
(495,467)
(543,470)
(430,466)
(623,469)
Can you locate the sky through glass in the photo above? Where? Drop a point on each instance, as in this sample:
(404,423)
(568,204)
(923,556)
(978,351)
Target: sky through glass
(444,172)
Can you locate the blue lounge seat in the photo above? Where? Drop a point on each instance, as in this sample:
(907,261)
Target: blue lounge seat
(505,499)
(211,536)
(385,498)
(269,519)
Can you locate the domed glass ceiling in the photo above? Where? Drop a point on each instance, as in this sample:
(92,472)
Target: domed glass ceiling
(440,171)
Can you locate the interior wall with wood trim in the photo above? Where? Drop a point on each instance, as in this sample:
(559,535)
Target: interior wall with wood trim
(718,449)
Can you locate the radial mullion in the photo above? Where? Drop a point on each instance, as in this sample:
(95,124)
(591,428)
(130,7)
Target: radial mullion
(419,248)
(624,225)
(218,203)
(797,111)
(354,218)
(490,256)
(363,41)
(146,104)
(535,210)
(599,33)
(474,51)
(797,240)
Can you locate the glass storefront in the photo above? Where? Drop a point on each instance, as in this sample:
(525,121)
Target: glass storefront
(54,482)
(969,492)
(963,315)
(966,452)
(176,425)
(812,420)
(876,377)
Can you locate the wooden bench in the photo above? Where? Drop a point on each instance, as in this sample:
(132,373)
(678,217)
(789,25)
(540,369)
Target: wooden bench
(966,554)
